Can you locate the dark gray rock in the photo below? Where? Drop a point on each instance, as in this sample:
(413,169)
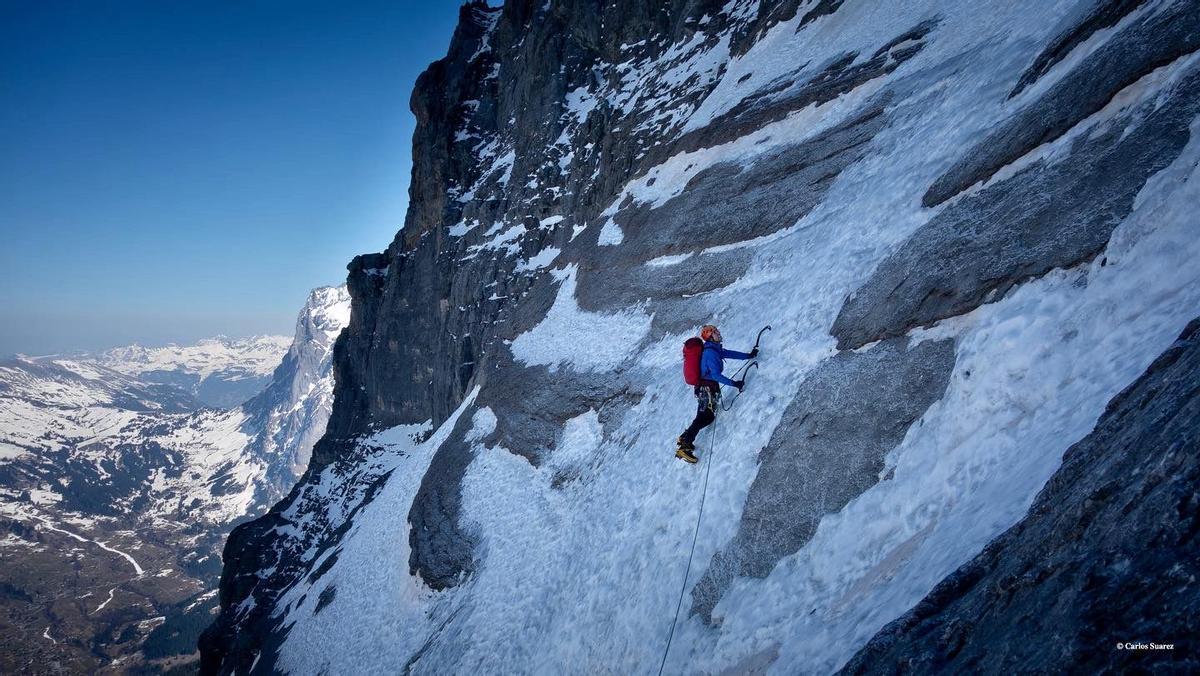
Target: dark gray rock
(600,290)
(1104,14)
(1108,553)
(793,91)
(828,449)
(1152,42)
(532,404)
(1047,216)
(729,202)
(326,597)
(442,552)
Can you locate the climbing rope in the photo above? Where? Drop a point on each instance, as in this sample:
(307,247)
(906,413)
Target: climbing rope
(703,496)
(696,536)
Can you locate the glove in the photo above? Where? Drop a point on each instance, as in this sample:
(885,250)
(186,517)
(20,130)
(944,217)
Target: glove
(739,384)
(754,353)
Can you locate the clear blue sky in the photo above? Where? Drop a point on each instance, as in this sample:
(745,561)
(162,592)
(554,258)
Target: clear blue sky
(175,169)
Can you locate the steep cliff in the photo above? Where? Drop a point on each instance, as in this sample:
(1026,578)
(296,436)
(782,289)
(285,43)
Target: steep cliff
(969,227)
(290,415)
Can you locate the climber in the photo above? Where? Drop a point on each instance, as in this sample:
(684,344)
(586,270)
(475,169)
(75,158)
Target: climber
(702,365)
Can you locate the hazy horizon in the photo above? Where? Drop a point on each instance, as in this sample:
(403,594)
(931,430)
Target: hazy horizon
(94,340)
(178,171)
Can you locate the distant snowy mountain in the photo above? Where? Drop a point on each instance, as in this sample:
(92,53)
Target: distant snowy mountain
(94,455)
(973,228)
(221,372)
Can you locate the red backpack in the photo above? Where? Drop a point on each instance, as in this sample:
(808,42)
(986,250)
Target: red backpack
(693,351)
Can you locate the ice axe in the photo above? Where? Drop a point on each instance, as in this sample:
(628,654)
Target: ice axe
(745,370)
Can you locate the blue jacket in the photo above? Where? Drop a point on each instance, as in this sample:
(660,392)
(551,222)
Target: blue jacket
(711,364)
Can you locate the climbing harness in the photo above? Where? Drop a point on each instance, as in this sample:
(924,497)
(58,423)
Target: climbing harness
(704,496)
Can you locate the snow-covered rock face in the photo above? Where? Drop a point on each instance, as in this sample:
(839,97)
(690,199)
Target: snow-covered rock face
(291,414)
(90,452)
(970,228)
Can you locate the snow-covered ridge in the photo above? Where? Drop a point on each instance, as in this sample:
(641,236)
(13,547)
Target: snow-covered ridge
(292,413)
(256,355)
(220,372)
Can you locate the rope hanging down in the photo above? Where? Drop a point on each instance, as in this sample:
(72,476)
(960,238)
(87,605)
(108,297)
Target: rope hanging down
(695,537)
(703,496)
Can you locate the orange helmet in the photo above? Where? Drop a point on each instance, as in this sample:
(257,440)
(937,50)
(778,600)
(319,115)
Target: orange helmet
(710,332)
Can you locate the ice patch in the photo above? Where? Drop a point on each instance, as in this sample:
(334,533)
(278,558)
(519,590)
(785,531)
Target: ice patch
(581,436)
(585,341)
(506,241)
(461,228)
(663,261)
(610,234)
(543,259)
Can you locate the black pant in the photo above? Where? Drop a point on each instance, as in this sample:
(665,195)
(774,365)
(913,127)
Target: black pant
(707,398)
